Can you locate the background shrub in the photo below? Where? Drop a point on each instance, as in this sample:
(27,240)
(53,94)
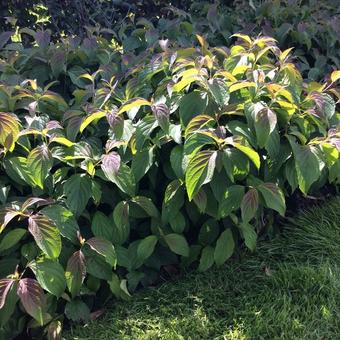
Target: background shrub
(309,26)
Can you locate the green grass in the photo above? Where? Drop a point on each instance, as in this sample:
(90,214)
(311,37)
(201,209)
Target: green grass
(288,289)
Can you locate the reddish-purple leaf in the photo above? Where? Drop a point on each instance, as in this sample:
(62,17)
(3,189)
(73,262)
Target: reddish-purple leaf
(5,286)
(161,113)
(75,272)
(112,118)
(53,125)
(90,44)
(7,216)
(110,165)
(43,38)
(72,128)
(104,248)
(36,200)
(32,298)
(324,105)
(249,205)
(201,200)
(46,234)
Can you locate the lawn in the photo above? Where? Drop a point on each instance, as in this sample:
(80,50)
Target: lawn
(288,289)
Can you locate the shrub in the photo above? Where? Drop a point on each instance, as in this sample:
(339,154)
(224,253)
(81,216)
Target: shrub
(114,167)
(311,26)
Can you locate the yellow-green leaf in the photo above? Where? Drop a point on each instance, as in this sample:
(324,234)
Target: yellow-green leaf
(335,76)
(90,118)
(133,103)
(238,86)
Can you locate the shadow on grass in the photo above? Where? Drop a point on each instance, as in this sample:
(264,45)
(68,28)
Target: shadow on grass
(288,289)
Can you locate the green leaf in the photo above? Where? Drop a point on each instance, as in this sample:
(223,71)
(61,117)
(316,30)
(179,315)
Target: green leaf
(200,171)
(105,248)
(77,310)
(12,238)
(249,205)
(102,226)
(291,175)
(231,201)
(32,298)
(173,200)
(177,243)
(250,153)
(39,163)
(175,132)
(147,205)
(265,122)
(122,224)
(146,247)
(118,288)
(207,258)
(178,161)
(235,164)
(142,162)
(249,235)
(16,168)
(273,196)
(124,180)
(64,220)
(191,105)
(307,165)
(177,223)
(209,232)
(46,235)
(75,272)
(96,265)
(219,90)
(78,191)
(224,247)
(195,142)
(50,275)
(54,98)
